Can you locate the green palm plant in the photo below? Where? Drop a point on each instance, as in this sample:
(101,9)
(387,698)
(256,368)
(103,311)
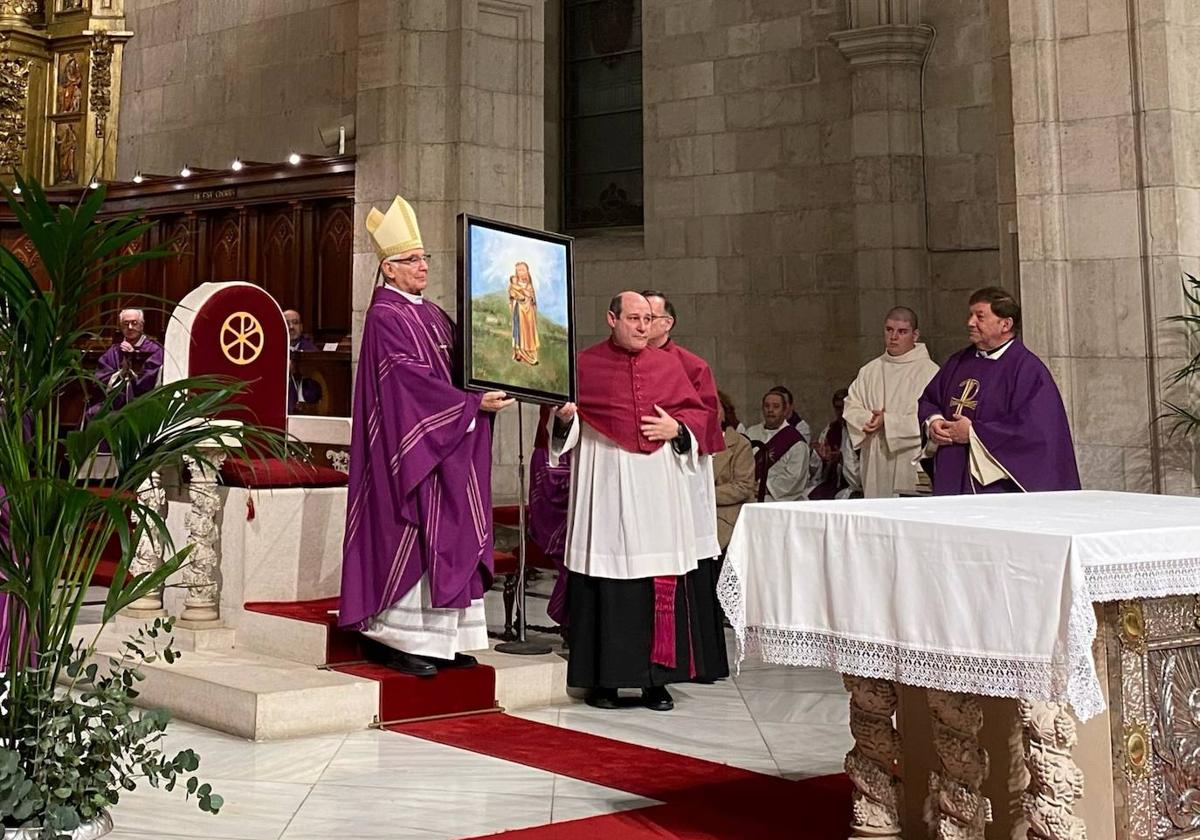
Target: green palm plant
(1186,417)
(52,530)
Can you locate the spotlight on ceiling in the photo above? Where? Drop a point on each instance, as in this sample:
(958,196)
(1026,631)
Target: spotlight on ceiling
(236,166)
(137,177)
(294,158)
(185,172)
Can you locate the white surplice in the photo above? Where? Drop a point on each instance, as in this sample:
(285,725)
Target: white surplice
(787,479)
(630,514)
(891,384)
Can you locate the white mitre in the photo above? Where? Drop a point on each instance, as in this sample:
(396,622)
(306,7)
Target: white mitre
(395,231)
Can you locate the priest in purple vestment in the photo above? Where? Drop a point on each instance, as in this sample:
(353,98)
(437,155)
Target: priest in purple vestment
(417,553)
(992,415)
(130,367)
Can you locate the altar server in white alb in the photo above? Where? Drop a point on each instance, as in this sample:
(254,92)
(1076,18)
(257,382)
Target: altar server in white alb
(632,588)
(881,408)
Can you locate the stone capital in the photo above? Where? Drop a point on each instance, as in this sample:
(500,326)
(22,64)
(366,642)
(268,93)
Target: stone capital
(889,43)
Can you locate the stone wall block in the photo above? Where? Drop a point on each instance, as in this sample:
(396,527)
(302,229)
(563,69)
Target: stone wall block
(1102,225)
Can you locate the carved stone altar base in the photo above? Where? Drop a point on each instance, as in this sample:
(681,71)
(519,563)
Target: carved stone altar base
(149,552)
(872,764)
(201,573)
(956,808)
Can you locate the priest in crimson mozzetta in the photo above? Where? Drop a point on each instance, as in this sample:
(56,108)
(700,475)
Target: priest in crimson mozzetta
(993,416)
(417,553)
(632,590)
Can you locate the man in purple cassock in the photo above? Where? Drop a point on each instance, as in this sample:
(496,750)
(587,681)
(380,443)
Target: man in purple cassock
(993,417)
(417,552)
(118,368)
(549,499)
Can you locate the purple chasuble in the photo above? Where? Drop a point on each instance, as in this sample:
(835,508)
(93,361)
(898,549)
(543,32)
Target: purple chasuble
(420,493)
(111,362)
(1016,411)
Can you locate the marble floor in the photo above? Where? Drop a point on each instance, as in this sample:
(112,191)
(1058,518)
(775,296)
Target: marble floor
(788,722)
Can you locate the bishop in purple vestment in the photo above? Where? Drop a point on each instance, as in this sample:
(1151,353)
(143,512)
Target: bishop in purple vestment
(119,368)
(417,552)
(994,413)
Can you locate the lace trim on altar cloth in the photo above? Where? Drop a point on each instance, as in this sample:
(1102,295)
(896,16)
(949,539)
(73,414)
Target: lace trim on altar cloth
(1142,579)
(1070,675)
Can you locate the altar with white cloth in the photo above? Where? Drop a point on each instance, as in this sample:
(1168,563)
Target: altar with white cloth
(1047,603)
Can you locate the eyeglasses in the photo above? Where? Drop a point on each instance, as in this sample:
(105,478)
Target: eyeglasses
(414,261)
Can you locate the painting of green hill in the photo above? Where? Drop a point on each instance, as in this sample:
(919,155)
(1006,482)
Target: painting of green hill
(491,351)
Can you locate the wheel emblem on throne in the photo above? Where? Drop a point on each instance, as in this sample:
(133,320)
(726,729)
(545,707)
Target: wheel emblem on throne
(242,338)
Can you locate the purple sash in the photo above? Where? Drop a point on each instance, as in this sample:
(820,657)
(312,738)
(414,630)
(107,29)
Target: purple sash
(770,453)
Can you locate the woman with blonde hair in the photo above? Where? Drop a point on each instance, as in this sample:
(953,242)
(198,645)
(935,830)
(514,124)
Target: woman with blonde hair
(522,304)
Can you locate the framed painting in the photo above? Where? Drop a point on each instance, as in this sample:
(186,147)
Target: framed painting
(516,313)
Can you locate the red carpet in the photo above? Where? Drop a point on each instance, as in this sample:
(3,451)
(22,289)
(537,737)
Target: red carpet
(704,800)
(453,691)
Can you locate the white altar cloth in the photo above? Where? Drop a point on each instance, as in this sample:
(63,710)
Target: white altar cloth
(989,594)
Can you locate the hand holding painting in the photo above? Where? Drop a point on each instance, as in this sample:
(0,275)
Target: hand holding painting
(495,401)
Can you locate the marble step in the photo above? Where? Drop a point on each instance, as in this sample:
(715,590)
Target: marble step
(248,694)
(527,682)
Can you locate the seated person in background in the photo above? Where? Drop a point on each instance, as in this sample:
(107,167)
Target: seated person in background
(793,416)
(733,472)
(131,366)
(836,475)
(780,452)
(300,388)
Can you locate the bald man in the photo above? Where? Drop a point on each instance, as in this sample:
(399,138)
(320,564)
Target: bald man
(632,549)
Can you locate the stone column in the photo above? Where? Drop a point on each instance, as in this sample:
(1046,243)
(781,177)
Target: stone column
(885,47)
(956,808)
(1107,187)
(450,114)
(1055,781)
(202,573)
(871,765)
(149,553)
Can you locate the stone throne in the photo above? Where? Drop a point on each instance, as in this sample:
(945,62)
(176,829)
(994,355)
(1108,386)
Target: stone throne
(264,529)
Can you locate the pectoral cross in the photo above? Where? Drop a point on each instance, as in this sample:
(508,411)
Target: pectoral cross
(970,389)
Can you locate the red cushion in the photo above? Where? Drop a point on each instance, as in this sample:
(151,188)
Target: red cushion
(274,472)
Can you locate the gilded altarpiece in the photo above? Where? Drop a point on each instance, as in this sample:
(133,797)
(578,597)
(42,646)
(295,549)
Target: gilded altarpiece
(1154,687)
(60,82)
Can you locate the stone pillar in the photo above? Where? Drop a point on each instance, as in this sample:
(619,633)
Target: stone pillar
(202,572)
(149,552)
(872,764)
(956,808)
(450,114)
(1107,187)
(885,48)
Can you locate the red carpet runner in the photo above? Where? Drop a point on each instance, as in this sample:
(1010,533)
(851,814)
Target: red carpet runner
(703,800)
(401,697)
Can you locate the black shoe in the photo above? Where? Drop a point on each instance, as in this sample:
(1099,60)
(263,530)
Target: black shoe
(657,699)
(602,698)
(397,660)
(460,660)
